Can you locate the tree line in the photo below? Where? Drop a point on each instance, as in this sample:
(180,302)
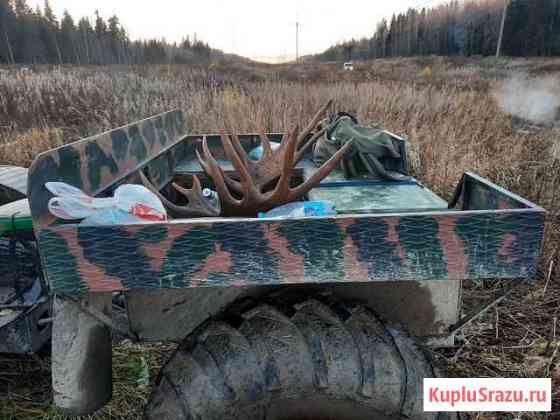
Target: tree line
(467,28)
(38,37)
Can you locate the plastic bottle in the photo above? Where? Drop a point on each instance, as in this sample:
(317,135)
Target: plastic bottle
(211,196)
(300,209)
(258,151)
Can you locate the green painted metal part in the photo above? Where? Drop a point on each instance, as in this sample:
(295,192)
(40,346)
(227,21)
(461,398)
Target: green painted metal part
(379,197)
(12,225)
(15,217)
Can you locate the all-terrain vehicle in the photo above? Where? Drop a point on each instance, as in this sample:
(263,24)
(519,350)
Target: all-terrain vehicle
(311,317)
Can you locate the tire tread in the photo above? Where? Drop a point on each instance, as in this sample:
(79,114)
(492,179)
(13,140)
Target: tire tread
(318,347)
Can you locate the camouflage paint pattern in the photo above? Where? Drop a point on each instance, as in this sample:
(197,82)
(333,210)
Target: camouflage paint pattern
(496,235)
(96,163)
(479,194)
(448,245)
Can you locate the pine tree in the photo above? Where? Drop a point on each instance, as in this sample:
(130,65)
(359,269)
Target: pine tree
(68,37)
(554,40)
(515,30)
(29,46)
(114,34)
(87,37)
(469,27)
(7,32)
(50,33)
(100,25)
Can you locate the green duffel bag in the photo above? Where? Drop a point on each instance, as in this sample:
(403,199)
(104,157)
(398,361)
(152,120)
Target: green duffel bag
(370,144)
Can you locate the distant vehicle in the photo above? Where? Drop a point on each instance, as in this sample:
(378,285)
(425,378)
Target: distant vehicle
(349,66)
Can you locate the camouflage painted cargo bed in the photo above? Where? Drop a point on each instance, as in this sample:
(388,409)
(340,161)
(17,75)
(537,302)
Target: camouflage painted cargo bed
(489,232)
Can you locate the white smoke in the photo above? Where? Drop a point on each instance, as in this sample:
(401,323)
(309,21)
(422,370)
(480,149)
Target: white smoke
(535,100)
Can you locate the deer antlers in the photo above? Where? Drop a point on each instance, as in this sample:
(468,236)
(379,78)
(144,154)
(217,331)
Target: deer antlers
(252,191)
(270,166)
(198,205)
(258,186)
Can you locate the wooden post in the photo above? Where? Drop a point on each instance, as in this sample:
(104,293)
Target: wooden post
(81,356)
(502,26)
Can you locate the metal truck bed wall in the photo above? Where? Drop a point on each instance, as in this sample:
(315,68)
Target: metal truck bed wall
(495,234)
(417,246)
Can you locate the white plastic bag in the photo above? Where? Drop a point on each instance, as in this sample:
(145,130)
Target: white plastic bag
(140,202)
(71,203)
(111,216)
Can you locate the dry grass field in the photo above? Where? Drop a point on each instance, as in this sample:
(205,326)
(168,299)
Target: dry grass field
(454,112)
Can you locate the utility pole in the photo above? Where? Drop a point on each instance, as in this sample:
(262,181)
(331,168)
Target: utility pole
(501,37)
(297,42)
(10,52)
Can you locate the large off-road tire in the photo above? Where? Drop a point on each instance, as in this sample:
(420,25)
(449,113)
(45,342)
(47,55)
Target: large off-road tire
(313,360)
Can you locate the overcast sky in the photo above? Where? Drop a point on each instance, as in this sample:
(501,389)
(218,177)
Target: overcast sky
(252,28)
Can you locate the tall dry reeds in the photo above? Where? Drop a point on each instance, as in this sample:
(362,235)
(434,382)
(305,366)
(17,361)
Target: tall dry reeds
(452,127)
(23,147)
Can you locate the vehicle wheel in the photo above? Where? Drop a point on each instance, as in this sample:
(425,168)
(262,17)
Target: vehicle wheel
(313,360)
